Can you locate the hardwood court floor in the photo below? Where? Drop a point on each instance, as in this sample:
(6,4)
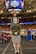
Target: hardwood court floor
(27,47)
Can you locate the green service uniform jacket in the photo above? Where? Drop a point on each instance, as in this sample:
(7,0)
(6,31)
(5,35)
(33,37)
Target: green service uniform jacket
(16,28)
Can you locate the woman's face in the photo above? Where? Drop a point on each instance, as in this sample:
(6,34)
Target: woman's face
(15,33)
(15,20)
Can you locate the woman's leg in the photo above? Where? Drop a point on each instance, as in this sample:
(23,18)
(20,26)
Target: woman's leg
(18,47)
(15,47)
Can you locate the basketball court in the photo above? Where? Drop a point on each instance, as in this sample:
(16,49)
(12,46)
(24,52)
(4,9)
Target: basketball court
(27,47)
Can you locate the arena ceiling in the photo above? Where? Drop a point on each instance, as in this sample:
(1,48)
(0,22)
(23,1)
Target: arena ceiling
(29,5)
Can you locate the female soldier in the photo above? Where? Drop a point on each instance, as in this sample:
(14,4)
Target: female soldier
(16,39)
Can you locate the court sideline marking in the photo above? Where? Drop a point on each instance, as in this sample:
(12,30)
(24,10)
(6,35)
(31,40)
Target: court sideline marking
(6,48)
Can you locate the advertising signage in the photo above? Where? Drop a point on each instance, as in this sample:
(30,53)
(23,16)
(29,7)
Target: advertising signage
(5,23)
(34,22)
(22,23)
(28,23)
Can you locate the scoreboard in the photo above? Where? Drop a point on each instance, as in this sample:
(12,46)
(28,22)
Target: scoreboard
(14,4)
